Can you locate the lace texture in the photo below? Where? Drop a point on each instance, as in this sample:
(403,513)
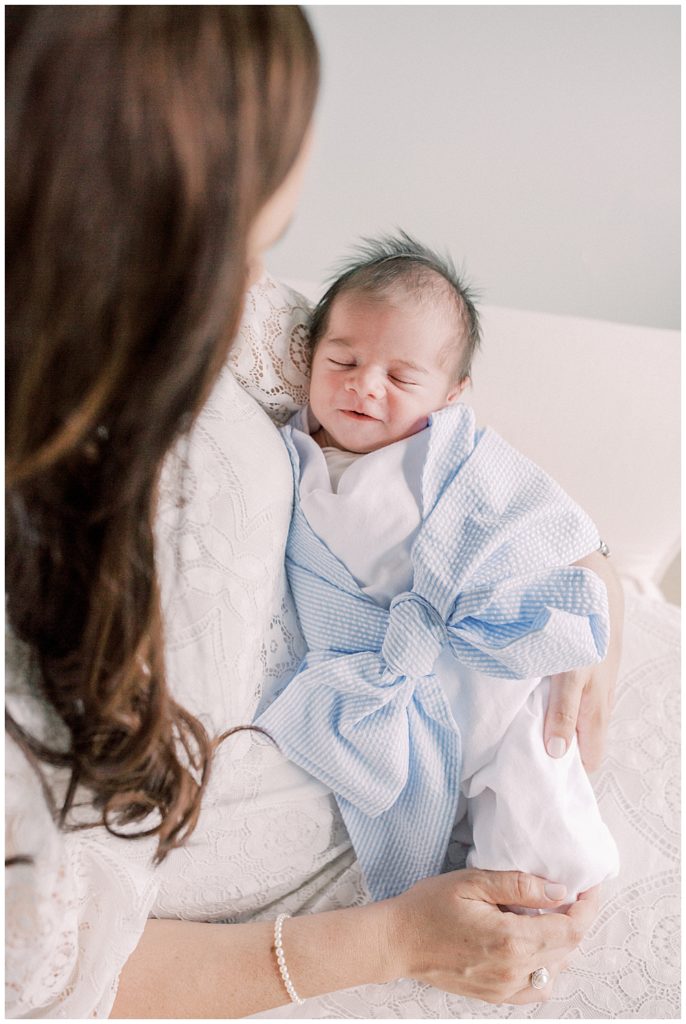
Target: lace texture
(270,359)
(629,964)
(270,838)
(76,902)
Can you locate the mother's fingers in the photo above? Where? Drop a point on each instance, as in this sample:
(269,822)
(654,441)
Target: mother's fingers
(529,994)
(525,991)
(555,933)
(586,907)
(594,720)
(533,995)
(566,690)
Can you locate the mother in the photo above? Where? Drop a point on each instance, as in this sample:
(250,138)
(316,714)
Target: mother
(153,153)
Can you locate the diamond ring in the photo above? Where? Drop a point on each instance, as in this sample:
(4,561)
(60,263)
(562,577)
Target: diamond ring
(539,978)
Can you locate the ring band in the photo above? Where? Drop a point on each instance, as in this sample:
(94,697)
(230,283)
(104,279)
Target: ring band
(539,978)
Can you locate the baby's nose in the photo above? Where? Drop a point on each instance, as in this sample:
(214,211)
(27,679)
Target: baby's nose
(368,381)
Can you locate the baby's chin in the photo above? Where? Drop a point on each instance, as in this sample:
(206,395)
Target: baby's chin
(360,445)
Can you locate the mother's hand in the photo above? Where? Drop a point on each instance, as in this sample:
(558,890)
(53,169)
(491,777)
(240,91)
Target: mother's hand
(580,701)
(450,933)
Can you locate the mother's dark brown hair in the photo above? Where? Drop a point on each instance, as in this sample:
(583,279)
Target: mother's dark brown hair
(141,143)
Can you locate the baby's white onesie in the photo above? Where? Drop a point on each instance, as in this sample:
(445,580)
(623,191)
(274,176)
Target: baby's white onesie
(524,809)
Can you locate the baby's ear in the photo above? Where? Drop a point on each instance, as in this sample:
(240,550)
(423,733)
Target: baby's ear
(455,393)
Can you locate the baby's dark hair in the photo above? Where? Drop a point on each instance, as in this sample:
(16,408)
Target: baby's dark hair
(378,265)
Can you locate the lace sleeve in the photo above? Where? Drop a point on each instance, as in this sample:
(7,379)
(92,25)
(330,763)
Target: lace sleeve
(270,357)
(76,902)
(40,917)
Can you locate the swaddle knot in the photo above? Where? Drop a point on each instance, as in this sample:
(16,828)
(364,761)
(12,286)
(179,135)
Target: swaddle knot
(414,637)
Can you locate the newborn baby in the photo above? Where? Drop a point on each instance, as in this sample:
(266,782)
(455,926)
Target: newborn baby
(431,568)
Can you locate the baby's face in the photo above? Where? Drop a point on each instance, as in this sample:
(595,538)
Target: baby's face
(377,372)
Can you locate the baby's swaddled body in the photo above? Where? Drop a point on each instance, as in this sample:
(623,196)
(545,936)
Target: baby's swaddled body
(520,808)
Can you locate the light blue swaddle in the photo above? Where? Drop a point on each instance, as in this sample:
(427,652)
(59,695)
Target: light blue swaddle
(365,713)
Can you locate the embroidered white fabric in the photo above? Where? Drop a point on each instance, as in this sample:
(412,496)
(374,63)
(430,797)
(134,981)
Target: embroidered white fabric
(629,964)
(270,838)
(270,359)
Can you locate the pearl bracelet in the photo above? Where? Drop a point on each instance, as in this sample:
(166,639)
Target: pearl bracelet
(281,960)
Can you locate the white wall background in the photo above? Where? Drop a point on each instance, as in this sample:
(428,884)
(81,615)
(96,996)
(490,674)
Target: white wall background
(538,144)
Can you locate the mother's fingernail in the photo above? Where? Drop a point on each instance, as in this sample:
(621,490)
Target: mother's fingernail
(556,746)
(555,891)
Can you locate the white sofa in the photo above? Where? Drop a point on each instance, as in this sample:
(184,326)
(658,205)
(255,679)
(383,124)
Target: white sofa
(597,405)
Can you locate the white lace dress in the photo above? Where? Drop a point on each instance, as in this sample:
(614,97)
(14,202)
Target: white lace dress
(270,837)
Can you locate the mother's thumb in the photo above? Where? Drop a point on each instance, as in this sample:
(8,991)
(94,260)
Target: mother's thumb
(516,888)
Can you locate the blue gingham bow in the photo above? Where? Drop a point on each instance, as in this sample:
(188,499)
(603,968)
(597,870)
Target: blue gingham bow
(365,713)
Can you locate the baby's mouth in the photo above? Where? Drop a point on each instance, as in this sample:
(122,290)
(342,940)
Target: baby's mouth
(358,415)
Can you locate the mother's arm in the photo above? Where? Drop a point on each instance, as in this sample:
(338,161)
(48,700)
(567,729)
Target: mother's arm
(581,701)
(447,931)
